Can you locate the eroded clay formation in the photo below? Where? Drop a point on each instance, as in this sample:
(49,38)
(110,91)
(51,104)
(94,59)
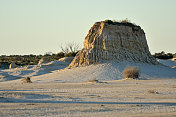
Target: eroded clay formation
(114,42)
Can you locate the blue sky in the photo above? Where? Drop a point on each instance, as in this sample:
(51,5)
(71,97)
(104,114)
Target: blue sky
(40,26)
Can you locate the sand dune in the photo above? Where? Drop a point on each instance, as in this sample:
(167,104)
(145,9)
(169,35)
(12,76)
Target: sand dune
(58,91)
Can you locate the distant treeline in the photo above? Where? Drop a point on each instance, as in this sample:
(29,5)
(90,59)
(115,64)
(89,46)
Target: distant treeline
(31,59)
(163,55)
(70,49)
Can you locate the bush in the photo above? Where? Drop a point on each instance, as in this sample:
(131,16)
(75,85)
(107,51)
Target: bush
(27,80)
(60,55)
(131,72)
(163,55)
(93,81)
(152,91)
(71,54)
(124,22)
(108,21)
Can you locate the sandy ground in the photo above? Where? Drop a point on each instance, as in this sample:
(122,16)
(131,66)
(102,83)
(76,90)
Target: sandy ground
(111,98)
(56,91)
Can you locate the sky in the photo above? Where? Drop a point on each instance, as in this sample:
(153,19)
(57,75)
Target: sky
(41,26)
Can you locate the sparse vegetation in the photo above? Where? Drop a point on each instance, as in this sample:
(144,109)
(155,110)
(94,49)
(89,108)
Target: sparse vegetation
(125,22)
(23,60)
(163,55)
(131,72)
(108,21)
(69,50)
(93,81)
(27,80)
(152,92)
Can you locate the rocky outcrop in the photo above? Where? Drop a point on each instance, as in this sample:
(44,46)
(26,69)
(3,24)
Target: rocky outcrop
(114,42)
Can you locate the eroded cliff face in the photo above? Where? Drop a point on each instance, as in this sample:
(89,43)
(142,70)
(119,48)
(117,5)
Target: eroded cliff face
(107,42)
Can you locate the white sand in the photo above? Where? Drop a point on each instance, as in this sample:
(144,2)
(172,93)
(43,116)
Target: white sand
(114,98)
(66,92)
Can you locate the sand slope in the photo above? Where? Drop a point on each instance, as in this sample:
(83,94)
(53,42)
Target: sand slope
(55,91)
(55,72)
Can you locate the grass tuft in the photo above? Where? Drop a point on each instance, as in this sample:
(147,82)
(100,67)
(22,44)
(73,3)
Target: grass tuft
(27,80)
(131,72)
(152,92)
(93,81)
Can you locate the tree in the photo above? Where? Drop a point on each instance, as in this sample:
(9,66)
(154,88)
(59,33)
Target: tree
(163,55)
(48,54)
(70,47)
(59,55)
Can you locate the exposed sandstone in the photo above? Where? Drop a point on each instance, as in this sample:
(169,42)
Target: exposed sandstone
(106,42)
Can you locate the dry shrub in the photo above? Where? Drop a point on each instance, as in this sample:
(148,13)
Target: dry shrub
(152,91)
(27,80)
(125,21)
(131,72)
(93,81)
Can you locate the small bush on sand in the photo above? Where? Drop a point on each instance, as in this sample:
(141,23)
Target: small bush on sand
(93,81)
(131,72)
(152,92)
(27,80)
